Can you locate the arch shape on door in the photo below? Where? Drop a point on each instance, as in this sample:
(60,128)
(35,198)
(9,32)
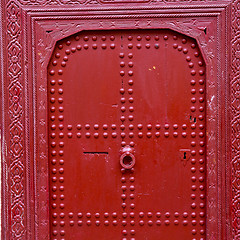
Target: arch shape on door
(118,96)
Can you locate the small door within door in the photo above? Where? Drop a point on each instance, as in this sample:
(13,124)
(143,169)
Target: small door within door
(127,136)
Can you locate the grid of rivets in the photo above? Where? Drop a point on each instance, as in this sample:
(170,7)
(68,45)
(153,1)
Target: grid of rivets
(56,142)
(123,143)
(122,97)
(194,135)
(89,219)
(143,131)
(127,110)
(126,92)
(143,218)
(88,43)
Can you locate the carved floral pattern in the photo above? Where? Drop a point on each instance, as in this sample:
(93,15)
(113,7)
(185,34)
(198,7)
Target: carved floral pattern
(15,118)
(235,122)
(98,2)
(16,131)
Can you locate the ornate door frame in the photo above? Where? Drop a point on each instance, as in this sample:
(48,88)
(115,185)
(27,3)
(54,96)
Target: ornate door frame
(30,30)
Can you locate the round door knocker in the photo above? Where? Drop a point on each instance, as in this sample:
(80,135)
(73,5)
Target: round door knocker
(127,159)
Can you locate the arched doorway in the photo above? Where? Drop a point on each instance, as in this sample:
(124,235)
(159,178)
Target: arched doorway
(127,136)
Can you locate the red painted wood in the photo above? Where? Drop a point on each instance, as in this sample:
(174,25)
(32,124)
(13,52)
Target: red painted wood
(135,98)
(29,31)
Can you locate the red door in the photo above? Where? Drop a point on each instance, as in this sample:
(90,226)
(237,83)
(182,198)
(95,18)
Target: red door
(127,136)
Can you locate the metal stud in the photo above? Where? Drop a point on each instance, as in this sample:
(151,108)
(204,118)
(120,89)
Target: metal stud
(166,134)
(175,45)
(130,45)
(52,72)
(157,134)
(196,54)
(149,134)
(141,214)
(68,51)
(179,48)
(165,37)
(167,222)
(148,38)
(130,55)
(89,222)
(194,231)
(132,179)
(193,72)
(122,64)
(77,38)
(185,222)
(191,64)
(141,222)
(106,223)
(130,117)
(166,126)
(139,38)
(131,135)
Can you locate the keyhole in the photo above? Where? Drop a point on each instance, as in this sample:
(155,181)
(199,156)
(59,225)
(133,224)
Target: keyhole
(193,119)
(184,155)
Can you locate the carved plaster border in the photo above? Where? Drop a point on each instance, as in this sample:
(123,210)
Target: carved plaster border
(212,96)
(36,138)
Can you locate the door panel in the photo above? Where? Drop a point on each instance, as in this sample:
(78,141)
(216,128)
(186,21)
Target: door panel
(127,96)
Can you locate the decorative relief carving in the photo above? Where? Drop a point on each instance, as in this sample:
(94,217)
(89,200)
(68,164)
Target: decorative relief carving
(16,106)
(16,123)
(58,2)
(208,45)
(235,103)
(59,30)
(124,1)
(109,2)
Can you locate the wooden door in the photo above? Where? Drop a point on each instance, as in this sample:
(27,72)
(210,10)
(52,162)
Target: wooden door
(127,136)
